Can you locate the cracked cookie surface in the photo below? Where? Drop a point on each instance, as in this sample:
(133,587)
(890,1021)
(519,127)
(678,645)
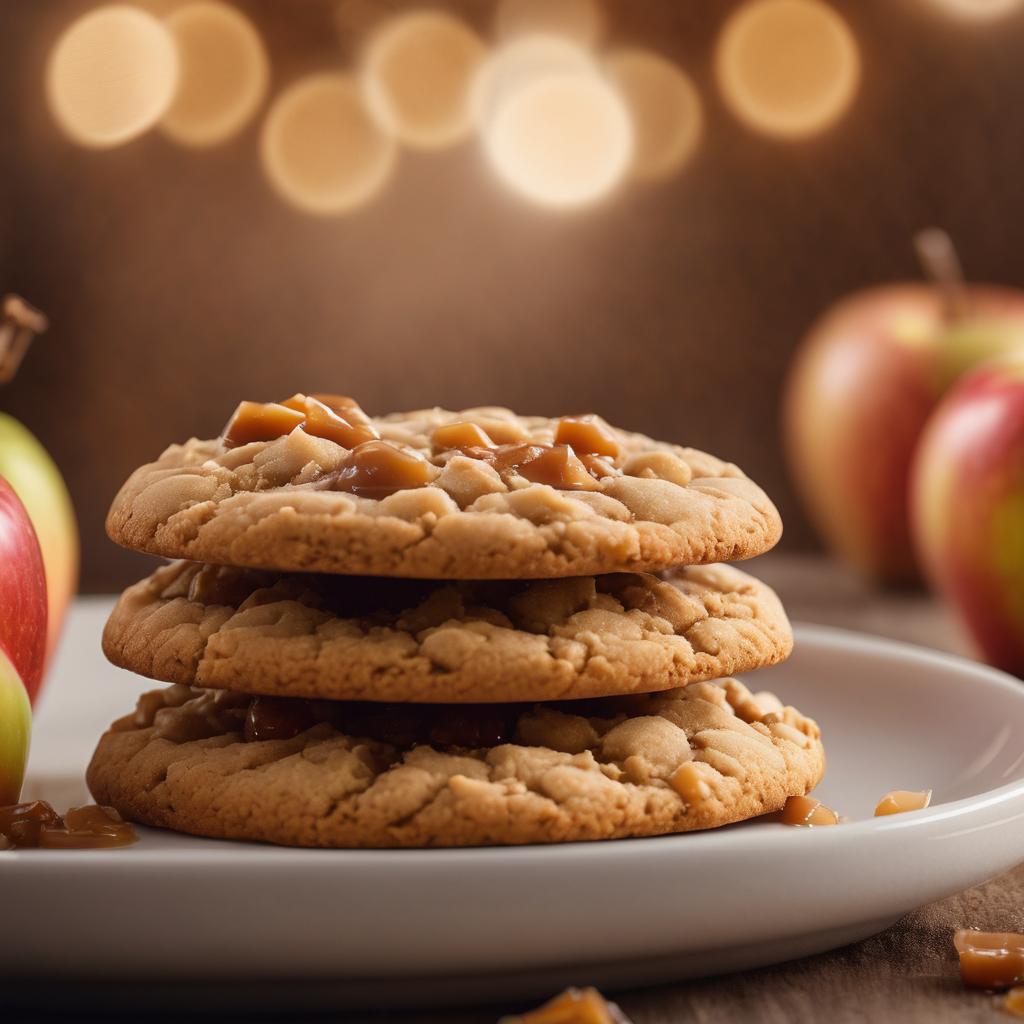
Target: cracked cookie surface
(706,755)
(277,505)
(356,638)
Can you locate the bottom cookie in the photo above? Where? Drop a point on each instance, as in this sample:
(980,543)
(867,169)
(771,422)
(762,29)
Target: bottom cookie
(334,774)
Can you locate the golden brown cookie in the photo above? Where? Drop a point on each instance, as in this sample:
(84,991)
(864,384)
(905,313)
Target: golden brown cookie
(366,775)
(478,494)
(372,638)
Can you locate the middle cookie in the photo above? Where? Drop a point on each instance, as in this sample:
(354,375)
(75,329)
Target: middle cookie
(368,638)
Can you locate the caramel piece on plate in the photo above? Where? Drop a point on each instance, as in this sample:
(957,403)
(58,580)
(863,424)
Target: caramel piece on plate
(990,960)
(38,825)
(807,812)
(587,435)
(573,1006)
(377,469)
(900,800)
(260,421)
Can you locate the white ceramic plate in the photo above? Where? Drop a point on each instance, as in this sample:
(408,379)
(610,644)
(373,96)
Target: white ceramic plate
(500,921)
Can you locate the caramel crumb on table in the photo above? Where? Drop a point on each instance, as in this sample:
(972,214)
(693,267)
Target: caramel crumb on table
(1014,1001)
(990,960)
(573,1006)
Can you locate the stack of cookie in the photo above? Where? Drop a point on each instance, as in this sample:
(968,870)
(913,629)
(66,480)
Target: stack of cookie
(445,629)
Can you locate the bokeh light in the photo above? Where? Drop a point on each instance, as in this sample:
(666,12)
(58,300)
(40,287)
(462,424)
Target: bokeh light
(223,73)
(979,10)
(788,68)
(520,63)
(111,75)
(553,127)
(418,72)
(666,111)
(321,147)
(581,21)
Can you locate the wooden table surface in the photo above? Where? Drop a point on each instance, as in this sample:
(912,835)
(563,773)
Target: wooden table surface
(907,973)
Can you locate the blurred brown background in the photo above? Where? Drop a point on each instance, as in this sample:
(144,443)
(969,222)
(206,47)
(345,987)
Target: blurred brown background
(178,283)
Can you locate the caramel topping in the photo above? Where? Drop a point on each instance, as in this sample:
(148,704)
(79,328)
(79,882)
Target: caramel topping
(990,960)
(377,469)
(587,435)
(573,1006)
(552,464)
(334,417)
(38,825)
(687,782)
(260,421)
(900,800)
(460,436)
(339,419)
(807,812)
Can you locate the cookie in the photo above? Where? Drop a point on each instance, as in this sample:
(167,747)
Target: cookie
(371,775)
(357,638)
(478,494)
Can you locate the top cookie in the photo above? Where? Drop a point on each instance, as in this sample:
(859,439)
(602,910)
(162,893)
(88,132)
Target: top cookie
(313,485)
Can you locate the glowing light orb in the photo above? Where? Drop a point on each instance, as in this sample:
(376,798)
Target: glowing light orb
(223,73)
(579,20)
(788,68)
(418,72)
(555,131)
(980,10)
(666,110)
(521,62)
(111,75)
(322,149)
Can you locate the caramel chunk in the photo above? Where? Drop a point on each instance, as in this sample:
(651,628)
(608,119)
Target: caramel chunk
(587,435)
(460,436)
(552,464)
(573,1006)
(38,825)
(344,424)
(377,469)
(806,812)
(347,408)
(260,421)
(277,718)
(689,784)
(900,800)
(990,960)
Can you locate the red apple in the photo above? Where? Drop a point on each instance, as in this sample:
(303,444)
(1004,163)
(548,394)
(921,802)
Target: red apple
(861,388)
(28,468)
(15,730)
(23,603)
(967,505)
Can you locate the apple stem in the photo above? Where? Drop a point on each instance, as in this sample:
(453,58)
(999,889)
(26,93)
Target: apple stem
(19,324)
(939,260)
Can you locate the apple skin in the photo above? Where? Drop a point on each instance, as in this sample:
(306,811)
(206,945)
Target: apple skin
(23,603)
(28,468)
(860,390)
(967,505)
(15,730)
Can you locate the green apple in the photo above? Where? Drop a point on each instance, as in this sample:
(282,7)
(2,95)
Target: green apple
(15,730)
